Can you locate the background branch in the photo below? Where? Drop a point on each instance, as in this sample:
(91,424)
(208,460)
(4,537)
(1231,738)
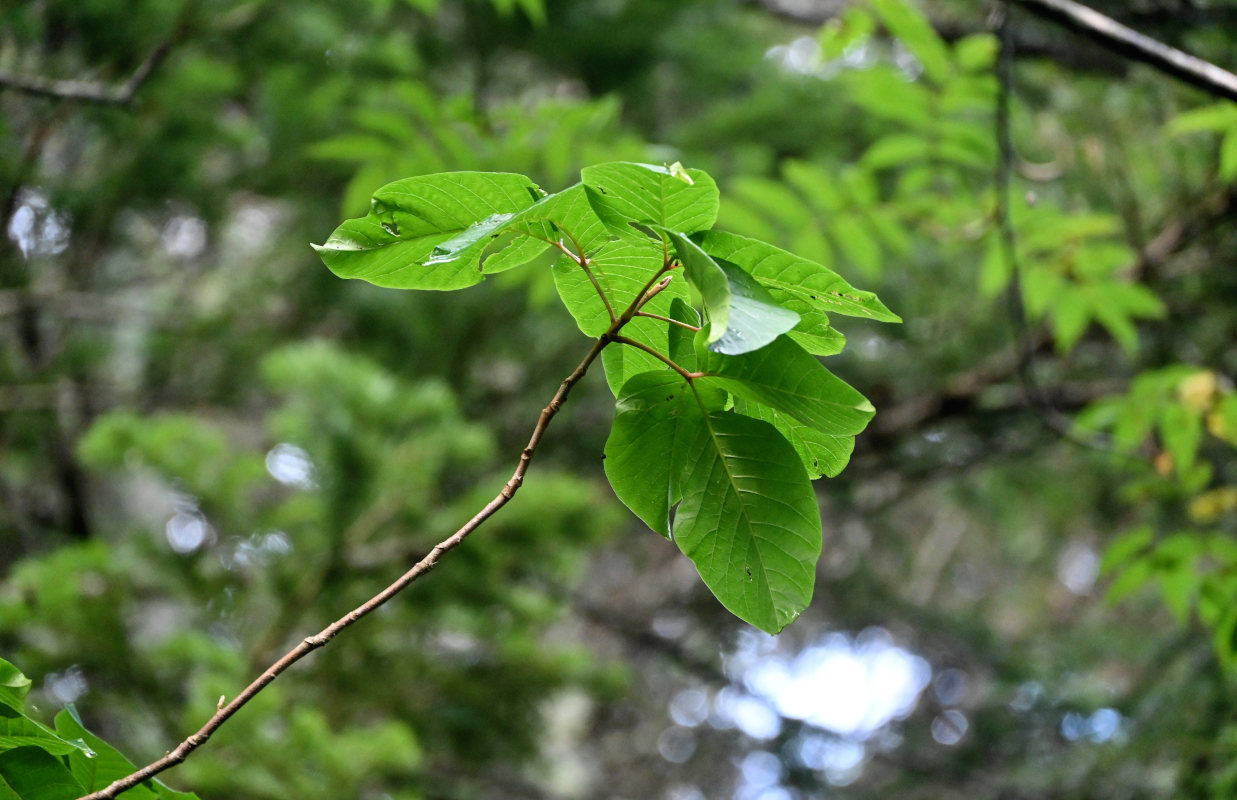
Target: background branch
(89,91)
(121,94)
(1114,36)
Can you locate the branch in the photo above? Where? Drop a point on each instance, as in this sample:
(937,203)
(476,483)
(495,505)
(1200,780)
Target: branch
(89,91)
(1125,41)
(94,92)
(1031,43)
(322,638)
(659,356)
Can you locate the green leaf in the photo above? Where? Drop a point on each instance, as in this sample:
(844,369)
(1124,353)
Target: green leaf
(786,377)
(1125,547)
(473,240)
(394,245)
(23,732)
(651,409)
(897,150)
(13,687)
(822,455)
(1070,317)
(844,31)
(32,773)
(517,254)
(750,318)
(857,244)
(1129,580)
(1218,117)
(1181,430)
(1227,168)
(803,286)
(622,192)
(977,52)
(756,319)
(103,764)
(746,514)
(709,279)
(748,519)
(915,32)
(1179,586)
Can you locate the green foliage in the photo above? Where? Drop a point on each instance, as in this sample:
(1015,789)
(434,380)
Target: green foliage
(1165,418)
(1075,273)
(1220,119)
(715,454)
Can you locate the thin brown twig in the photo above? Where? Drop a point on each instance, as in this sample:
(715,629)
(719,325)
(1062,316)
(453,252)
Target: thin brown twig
(680,323)
(659,356)
(310,643)
(583,261)
(322,638)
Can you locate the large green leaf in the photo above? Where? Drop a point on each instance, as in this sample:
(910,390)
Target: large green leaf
(409,218)
(746,515)
(786,377)
(682,200)
(31,773)
(810,289)
(748,519)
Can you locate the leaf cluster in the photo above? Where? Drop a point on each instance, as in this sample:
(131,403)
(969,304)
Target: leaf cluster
(723,413)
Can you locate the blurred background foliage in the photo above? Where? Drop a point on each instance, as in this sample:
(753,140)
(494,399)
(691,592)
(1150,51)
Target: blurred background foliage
(210,446)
